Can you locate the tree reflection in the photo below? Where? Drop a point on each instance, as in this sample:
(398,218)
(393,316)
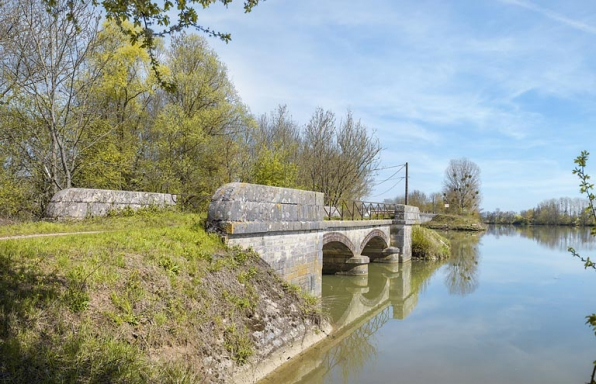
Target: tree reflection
(462,267)
(552,237)
(422,271)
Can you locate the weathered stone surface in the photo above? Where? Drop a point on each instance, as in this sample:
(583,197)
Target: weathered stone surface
(297,256)
(78,203)
(407,214)
(426,217)
(242,202)
(285,226)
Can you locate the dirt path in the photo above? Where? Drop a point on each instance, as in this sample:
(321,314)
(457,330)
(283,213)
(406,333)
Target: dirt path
(48,235)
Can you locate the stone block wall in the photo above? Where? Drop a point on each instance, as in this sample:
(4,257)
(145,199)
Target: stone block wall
(242,202)
(407,214)
(296,256)
(401,230)
(255,216)
(78,203)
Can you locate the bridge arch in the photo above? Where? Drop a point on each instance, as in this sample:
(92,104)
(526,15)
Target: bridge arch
(374,243)
(337,250)
(336,237)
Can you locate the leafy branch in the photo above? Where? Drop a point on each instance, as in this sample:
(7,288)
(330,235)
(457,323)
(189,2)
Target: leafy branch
(150,21)
(587,188)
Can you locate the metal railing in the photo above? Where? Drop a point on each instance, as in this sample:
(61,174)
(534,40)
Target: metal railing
(359,210)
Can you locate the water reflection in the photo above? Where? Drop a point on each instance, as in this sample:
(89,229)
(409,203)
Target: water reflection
(462,267)
(357,308)
(552,237)
(522,326)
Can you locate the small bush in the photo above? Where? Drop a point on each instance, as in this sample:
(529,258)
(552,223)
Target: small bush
(428,244)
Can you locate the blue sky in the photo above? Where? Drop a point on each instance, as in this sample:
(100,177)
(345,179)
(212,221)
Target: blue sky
(509,84)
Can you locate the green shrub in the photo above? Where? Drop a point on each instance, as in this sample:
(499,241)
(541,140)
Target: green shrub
(428,244)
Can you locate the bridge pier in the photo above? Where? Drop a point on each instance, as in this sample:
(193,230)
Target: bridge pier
(389,255)
(356,266)
(401,230)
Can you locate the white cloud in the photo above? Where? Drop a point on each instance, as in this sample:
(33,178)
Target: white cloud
(554,16)
(436,80)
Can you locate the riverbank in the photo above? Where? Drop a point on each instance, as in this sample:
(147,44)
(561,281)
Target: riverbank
(427,244)
(446,222)
(146,298)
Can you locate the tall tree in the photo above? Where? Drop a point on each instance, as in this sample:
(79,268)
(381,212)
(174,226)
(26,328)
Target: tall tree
(273,150)
(119,99)
(47,120)
(461,186)
(195,139)
(10,56)
(338,160)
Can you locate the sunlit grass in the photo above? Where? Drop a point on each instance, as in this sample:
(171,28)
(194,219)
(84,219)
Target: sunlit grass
(147,218)
(144,301)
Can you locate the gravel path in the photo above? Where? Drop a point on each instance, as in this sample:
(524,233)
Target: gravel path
(48,235)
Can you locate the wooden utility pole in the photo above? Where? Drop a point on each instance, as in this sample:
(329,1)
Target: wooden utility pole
(406,183)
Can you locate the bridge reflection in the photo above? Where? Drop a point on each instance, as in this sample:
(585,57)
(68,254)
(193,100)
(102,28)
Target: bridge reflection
(347,299)
(358,306)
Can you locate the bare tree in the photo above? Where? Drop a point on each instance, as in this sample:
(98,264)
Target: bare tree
(47,115)
(339,161)
(461,186)
(10,58)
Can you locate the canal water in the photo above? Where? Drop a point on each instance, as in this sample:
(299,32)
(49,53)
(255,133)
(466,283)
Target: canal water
(508,307)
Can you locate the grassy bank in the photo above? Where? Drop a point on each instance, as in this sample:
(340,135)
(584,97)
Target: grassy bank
(427,244)
(455,223)
(155,299)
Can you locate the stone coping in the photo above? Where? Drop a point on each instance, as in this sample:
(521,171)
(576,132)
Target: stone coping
(337,224)
(242,202)
(241,227)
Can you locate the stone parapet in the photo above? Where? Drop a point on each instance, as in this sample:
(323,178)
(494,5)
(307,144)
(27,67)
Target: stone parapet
(78,203)
(284,226)
(407,214)
(242,202)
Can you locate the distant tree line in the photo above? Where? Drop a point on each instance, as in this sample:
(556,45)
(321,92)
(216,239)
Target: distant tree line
(82,106)
(562,211)
(431,203)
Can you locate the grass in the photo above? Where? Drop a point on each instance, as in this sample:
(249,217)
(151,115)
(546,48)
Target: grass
(429,245)
(142,218)
(153,299)
(455,223)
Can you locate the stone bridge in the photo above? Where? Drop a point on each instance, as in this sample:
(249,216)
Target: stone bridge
(286,228)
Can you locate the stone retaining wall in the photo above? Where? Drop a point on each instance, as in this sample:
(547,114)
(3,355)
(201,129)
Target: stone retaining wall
(79,203)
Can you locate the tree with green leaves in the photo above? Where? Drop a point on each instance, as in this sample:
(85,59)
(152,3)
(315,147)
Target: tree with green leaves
(272,150)
(48,118)
(587,188)
(120,96)
(144,21)
(195,139)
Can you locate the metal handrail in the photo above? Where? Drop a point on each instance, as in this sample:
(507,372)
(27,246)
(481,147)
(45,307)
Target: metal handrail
(359,210)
